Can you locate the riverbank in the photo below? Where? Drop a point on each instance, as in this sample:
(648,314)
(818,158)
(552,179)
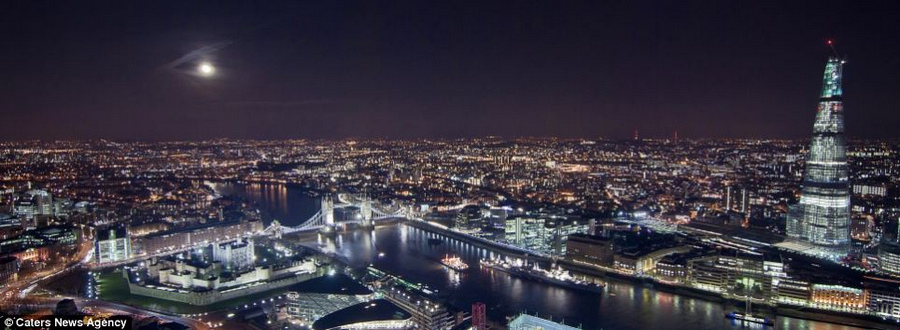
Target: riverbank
(848,319)
(113,287)
(835,317)
(206,298)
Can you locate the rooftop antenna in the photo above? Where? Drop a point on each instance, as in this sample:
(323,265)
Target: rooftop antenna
(830,43)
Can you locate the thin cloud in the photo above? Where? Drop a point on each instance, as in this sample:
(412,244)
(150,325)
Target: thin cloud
(196,54)
(288,104)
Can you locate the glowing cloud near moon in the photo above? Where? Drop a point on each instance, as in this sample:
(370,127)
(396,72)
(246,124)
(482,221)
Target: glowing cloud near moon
(206,69)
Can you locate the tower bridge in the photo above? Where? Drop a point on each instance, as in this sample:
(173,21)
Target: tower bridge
(324,219)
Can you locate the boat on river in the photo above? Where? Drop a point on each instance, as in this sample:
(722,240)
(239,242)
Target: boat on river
(454,263)
(750,318)
(556,276)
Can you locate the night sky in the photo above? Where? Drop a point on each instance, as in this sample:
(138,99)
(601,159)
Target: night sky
(127,70)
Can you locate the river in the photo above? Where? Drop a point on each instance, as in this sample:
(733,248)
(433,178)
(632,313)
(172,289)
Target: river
(403,250)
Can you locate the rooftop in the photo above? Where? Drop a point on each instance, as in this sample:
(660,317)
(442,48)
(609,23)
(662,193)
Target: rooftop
(334,284)
(375,310)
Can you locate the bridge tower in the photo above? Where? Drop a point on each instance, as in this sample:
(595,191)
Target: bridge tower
(276,227)
(365,210)
(328,211)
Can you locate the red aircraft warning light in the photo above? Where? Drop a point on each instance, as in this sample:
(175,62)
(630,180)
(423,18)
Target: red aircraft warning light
(830,43)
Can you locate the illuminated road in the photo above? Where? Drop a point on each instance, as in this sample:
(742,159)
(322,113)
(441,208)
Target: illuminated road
(114,308)
(95,307)
(24,286)
(20,293)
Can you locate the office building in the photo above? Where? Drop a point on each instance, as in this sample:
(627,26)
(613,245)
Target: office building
(823,215)
(737,199)
(112,245)
(9,269)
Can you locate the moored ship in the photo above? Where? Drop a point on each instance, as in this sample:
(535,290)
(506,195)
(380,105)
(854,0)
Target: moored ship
(454,263)
(556,276)
(738,316)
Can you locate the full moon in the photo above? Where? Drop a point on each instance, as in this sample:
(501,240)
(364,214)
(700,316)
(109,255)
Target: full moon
(206,69)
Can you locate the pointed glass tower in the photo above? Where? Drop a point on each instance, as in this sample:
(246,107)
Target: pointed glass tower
(823,215)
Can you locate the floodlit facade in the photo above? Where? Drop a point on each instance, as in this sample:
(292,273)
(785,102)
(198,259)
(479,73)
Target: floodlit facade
(236,255)
(822,217)
(202,284)
(112,245)
(840,298)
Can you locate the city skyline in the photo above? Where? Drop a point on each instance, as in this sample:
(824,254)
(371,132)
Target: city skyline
(299,165)
(356,70)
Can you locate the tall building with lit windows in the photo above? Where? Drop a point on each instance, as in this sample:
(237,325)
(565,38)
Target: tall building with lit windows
(889,249)
(822,217)
(112,245)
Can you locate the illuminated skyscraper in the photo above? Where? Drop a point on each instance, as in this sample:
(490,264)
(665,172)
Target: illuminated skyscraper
(823,215)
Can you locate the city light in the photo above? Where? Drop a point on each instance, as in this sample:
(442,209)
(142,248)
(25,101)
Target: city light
(252,168)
